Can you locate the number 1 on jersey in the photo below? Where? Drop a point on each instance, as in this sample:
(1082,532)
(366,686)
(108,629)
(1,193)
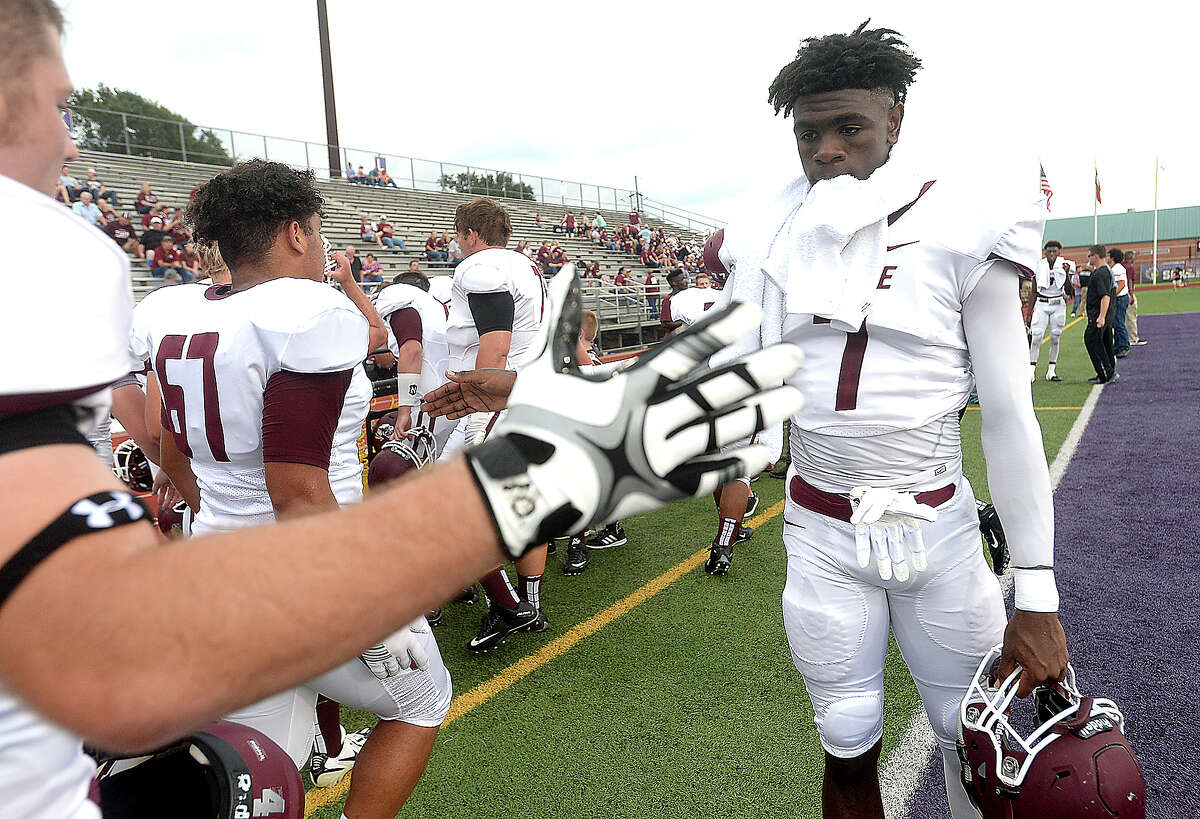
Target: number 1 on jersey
(203,347)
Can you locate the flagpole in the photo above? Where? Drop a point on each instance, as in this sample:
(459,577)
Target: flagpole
(1155,255)
(1095,227)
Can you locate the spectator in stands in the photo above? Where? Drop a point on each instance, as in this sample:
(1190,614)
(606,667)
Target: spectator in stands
(385,180)
(522,248)
(356,264)
(145,199)
(350,172)
(99,191)
(443,244)
(569,223)
(368,233)
(86,208)
(69,187)
(598,220)
(594,234)
(122,231)
(152,214)
(372,270)
(386,234)
(652,288)
(558,258)
(645,234)
(107,211)
(190,258)
(361,176)
(178,230)
(537,220)
(635,218)
(650,258)
(455,252)
(677,281)
(153,235)
(432,252)
(373,177)
(542,257)
(165,259)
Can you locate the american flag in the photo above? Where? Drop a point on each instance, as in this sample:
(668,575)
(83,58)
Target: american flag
(1047,191)
(1098,199)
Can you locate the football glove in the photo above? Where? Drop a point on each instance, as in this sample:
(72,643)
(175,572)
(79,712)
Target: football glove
(993,536)
(399,652)
(887,523)
(576,451)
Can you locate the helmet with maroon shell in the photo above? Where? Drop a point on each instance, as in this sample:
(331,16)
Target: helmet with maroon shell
(223,771)
(414,450)
(712,253)
(170,518)
(1075,763)
(131,466)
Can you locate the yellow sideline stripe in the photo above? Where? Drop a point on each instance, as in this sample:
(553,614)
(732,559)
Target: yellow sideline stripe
(522,668)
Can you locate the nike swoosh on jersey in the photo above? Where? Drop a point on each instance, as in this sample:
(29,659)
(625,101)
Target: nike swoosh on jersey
(890,248)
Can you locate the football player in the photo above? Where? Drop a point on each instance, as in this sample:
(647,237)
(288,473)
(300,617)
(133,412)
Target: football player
(880,525)
(284,399)
(1050,310)
(416,338)
(497,305)
(173,637)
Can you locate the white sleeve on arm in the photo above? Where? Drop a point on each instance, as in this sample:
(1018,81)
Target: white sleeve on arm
(1018,477)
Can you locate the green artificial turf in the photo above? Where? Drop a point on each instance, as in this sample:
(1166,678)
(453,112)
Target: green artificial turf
(689,704)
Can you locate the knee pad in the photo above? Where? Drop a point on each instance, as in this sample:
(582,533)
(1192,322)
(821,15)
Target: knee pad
(851,725)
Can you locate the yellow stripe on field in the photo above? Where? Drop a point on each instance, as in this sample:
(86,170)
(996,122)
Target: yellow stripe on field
(464,703)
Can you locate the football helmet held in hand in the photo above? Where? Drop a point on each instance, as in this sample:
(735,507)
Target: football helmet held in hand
(1076,763)
(413,450)
(132,466)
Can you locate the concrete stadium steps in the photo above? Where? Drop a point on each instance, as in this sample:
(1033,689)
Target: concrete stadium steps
(414,213)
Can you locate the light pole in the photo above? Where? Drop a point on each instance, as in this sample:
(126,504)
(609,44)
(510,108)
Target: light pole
(331,133)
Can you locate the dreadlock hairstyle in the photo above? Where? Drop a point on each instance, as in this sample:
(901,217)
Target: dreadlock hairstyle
(868,59)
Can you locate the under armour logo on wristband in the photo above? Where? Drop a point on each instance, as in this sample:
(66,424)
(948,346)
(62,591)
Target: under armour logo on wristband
(120,507)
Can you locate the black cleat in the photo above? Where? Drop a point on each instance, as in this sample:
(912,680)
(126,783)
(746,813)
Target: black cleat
(720,558)
(552,548)
(541,623)
(434,618)
(577,558)
(499,622)
(608,538)
(751,507)
(779,471)
(1095,379)
(744,534)
(469,596)
(1053,378)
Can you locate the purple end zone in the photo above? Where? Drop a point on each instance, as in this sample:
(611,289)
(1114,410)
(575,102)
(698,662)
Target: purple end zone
(1128,564)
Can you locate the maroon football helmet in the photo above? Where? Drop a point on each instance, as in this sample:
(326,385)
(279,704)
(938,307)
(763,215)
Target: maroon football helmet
(384,428)
(170,518)
(1077,763)
(131,466)
(224,771)
(415,450)
(712,253)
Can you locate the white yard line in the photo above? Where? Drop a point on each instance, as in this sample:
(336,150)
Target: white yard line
(904,770)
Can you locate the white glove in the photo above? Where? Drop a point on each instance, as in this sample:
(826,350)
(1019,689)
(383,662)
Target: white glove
(576,450)
(476,428)
(403,650)
(886,521)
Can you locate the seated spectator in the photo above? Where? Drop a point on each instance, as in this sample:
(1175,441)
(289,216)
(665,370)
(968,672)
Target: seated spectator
(356,264)
(522,248)
(542,255)
(190,258)
(372,270)
(106,210)
(607,241)
(146,199)
(432,253)
(650,259)
(69,187)
(443,243)
(537,220)
(558,258)
(178,230)
(99,191)
(165,259)
(154,235)
(598,220)
(122,231)
(645,234)
(368,233)
(385,179)
(361,176)
(86,208)
(350,172)
(386,237)
(152,214)
(373,178)
(455,252)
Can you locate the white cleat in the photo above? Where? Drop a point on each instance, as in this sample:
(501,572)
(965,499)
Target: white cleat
(327,771)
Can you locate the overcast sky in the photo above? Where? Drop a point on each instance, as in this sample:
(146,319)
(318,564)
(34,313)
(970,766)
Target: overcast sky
(674,93)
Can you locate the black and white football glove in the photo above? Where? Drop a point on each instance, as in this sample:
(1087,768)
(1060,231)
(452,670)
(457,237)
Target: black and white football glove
(577,451)
(993,536)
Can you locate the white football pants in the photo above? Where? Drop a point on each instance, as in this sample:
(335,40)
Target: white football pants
(1047,314)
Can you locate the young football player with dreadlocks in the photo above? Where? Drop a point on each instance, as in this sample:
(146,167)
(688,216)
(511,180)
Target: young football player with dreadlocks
(896,281)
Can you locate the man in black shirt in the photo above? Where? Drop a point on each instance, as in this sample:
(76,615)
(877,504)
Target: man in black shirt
(1101,307)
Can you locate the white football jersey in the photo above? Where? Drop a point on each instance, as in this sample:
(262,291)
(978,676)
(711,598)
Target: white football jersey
(442,289)
(1050,280)
(882,405)
(43,770)
(345,462)
(689,306)
(435,354)
(495,270)
(213,351)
